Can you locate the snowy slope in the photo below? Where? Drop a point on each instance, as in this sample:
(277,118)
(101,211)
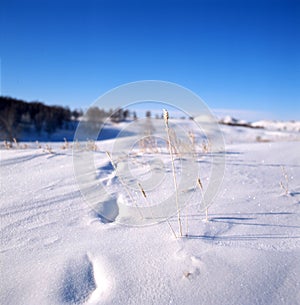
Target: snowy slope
(55,249)
(278,125)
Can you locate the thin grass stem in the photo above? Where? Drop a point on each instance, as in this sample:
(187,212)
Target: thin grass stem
(166,119)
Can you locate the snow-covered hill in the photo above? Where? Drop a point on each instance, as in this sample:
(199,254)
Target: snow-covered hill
(293,126)
(278,125)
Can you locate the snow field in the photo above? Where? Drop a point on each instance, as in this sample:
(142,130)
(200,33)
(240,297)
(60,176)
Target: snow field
(56,249)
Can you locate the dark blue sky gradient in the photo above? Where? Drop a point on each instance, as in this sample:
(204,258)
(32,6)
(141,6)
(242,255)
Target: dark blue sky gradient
(233,54)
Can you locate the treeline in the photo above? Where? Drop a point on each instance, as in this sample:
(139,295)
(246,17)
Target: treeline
(17,115)
(95,115)
(19,118)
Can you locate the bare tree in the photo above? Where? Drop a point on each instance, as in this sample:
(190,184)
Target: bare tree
(8,122)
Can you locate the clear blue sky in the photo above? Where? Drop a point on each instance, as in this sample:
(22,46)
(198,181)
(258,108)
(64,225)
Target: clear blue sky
(234,54)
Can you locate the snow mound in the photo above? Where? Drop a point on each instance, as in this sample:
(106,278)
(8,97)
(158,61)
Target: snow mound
(107,211)
(229,120)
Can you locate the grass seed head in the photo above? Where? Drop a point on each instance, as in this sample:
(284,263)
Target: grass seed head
(200,183)
(142,190)
(166,115)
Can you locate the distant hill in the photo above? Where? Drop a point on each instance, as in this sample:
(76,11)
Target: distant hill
(293,126)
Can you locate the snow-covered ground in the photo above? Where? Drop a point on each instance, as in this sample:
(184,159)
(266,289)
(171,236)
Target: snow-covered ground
(56,249)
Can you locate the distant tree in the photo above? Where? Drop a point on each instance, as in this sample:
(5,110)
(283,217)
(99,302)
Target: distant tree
(135,115)
(50,125)
(125,114)
(10,117)
(93,114)
(38,122)
(34,108)
(76,114)
(8,123)
(67,114)
(148,114)
(117,116)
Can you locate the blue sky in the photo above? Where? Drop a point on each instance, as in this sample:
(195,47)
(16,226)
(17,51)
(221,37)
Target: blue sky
(238,55)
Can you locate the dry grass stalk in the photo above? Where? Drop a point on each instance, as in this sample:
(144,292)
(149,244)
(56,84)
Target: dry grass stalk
(148,143)
(174,140)
(38,145)
(206,146)
(168,222)
(187,222)
(146,199)
(111,160)
(193,142)
(166,119)
(187,274)
(76,145)
(206,214)
(91,145)
(142,145)
(200,184)
(7,145)
(284,186)
(66,144)
(201,188)
(142,191)
(48,149)
(16,142)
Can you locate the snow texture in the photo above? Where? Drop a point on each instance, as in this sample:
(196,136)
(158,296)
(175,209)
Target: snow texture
(56,248)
